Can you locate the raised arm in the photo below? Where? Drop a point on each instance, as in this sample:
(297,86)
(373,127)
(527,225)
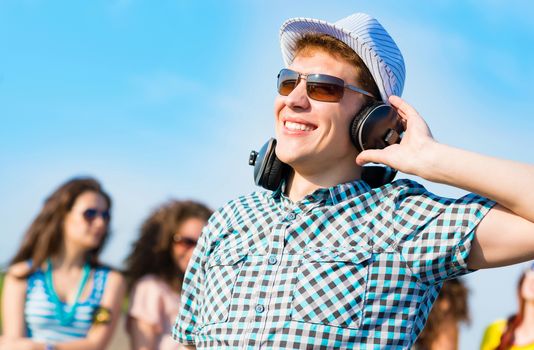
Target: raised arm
(506,234)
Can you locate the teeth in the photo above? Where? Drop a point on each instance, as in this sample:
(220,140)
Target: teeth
(298,126)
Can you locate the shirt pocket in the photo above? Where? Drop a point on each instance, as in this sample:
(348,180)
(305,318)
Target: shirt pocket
(221,275)
(330,288)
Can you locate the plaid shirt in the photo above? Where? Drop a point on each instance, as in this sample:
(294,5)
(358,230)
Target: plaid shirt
(346,267)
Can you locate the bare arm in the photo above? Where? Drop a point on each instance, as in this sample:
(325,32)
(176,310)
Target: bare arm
(13,301)
(506,234)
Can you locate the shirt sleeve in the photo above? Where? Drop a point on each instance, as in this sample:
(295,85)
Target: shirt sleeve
(188,320)
(434,234)
(492,335)
(145,303)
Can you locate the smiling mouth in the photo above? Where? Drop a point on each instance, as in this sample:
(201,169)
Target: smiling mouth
(292,126)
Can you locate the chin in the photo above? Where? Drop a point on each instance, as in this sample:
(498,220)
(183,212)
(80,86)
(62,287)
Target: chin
(94,243)
(291,154)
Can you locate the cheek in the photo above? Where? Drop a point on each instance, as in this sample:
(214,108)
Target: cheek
(187,256)
(177,251)
(278,105)
(71,226)
(527,290)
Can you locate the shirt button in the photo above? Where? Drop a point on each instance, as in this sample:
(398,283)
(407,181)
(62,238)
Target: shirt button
(217,258)
(272,260)
(260,308)
(291,216)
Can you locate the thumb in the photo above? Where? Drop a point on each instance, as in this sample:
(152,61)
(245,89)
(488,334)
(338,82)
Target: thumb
(370,156)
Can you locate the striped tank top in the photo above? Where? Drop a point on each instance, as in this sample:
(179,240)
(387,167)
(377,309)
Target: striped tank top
(42,325)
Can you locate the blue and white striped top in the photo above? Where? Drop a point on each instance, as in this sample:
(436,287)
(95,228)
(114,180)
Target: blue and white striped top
(40,311)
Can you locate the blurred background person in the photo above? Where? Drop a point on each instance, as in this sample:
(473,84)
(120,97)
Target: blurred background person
(441,330)
(57,294)
(516,333)
(155,270)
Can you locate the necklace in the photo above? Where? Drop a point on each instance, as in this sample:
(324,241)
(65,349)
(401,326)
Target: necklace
(65,318)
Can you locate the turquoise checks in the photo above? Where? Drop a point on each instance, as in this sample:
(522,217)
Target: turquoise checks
(348,267)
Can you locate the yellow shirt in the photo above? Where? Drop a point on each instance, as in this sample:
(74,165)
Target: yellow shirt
(492,337)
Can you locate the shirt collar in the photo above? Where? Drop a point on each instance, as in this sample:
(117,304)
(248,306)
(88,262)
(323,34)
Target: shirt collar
(325,196)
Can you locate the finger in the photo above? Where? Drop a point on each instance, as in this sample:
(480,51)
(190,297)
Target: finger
(404,109)
(371,156)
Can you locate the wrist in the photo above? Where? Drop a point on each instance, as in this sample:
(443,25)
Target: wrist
(427,163)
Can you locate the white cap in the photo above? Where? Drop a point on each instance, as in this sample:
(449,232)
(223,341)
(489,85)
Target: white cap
(365,36)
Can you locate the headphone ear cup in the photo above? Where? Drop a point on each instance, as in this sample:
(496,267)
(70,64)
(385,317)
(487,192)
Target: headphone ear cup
(376,175)
(356,127)
(274,173)
(375,127)
(268,169)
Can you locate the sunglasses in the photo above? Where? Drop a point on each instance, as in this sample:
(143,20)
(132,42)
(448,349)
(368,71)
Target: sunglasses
(188,242)
(91,214)
(320,87)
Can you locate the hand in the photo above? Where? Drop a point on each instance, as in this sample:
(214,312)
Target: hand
(409,156)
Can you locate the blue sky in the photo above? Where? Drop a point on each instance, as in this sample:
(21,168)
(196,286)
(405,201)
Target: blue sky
(165,100)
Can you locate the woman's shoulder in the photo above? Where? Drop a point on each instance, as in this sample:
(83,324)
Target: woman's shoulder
(115,277)
(150,282)
(19,270)
(498,325)
(492,334)
(16,276)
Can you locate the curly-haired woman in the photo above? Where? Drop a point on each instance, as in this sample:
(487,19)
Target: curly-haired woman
(155,269)
(441,330)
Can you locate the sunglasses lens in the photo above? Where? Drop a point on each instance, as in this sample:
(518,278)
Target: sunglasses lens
(189,242)
(90,214)
(322,87)
(287,80)
(106,216)
(325,92)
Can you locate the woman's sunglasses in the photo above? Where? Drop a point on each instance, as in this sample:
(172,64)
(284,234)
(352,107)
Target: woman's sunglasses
(91,214)
(188,242)
(320,87)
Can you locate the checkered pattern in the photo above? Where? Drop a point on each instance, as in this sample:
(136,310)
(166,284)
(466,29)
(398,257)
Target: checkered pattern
(347,267)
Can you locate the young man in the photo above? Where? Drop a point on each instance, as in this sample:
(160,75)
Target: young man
(325,261)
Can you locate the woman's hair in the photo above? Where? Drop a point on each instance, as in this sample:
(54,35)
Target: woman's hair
(508,338)
(339,49)
(45,234)
(152,252)
(451,304)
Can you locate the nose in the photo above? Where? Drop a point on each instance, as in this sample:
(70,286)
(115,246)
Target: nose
(99,222)
(298,98)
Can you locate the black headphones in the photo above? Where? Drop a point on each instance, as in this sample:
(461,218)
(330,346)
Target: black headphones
(375,127)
